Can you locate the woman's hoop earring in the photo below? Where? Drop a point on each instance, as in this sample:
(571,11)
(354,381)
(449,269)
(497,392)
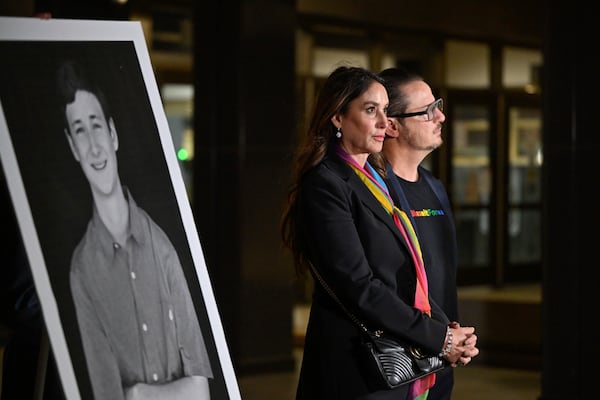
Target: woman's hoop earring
(338,134)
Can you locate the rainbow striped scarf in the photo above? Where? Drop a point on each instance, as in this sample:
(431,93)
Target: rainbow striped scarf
(369,176)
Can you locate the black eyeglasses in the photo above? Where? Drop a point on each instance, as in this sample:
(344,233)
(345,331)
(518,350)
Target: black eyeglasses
(429,111)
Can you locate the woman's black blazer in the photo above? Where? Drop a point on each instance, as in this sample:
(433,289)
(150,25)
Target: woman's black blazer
(358,250)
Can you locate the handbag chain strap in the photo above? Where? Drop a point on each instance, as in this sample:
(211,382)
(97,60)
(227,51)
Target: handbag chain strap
(415,351)
(337,300)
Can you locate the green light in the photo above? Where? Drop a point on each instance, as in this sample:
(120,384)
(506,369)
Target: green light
(182,154)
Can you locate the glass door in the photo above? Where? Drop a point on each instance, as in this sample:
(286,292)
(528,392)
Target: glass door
(525,157)
(471,126)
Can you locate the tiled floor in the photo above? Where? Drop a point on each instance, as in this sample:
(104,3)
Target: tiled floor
(473,382)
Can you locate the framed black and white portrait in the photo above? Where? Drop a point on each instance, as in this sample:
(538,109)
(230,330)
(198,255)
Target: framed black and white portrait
(103,212)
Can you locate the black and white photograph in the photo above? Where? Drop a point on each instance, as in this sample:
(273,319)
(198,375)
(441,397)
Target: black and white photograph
(104,217)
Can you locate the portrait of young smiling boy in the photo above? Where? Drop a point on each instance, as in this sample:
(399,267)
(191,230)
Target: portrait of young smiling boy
(140,333)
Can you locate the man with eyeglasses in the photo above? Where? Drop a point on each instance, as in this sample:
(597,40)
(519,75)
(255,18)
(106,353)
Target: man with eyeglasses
(414,130)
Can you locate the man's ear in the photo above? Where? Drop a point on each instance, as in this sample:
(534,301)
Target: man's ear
(113,134)
(72,145)
(392,128)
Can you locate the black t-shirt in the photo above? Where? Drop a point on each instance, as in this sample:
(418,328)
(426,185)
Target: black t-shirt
(436,232)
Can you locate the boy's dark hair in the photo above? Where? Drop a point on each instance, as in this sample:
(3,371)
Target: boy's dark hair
(70,78)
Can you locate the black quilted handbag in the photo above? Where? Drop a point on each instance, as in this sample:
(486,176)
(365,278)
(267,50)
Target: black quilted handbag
(388,364)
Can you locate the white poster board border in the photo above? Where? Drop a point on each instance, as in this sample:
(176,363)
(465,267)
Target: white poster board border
(15,29)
